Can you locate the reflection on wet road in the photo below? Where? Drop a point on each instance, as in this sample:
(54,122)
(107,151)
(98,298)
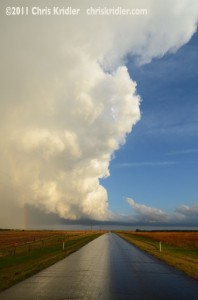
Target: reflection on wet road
(107,268)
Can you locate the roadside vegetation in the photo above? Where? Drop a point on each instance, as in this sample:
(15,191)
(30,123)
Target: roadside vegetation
(179,249)
(24,253)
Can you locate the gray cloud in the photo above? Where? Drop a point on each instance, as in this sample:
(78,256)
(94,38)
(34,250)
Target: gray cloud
(147,214)
(143,214)
(188,211)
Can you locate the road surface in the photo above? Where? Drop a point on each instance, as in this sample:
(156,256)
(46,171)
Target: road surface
(108,268)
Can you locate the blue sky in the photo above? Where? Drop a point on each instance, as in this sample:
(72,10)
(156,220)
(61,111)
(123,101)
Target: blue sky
(158,165)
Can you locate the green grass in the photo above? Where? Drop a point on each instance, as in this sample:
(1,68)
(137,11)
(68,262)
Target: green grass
(181,258)
(20,266)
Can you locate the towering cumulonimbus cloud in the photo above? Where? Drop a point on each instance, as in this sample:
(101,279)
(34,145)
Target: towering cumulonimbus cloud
(68,102)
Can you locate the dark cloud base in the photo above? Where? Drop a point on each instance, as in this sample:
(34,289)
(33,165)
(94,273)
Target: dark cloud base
(40,219)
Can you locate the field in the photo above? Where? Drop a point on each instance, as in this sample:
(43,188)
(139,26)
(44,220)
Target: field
(16,241)
(179,249)
(23,253)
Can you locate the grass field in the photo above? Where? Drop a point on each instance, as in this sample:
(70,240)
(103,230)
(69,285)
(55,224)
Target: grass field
(23,253)
(179,249)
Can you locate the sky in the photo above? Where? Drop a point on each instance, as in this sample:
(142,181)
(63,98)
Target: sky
(158,166)
(99,113)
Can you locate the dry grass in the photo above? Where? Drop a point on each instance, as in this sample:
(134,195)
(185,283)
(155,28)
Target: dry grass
(188,240)
(18,237)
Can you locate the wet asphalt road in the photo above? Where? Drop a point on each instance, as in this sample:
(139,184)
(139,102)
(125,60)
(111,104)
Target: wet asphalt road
(107,268)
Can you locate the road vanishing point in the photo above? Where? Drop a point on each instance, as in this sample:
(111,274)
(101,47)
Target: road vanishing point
(108,268)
